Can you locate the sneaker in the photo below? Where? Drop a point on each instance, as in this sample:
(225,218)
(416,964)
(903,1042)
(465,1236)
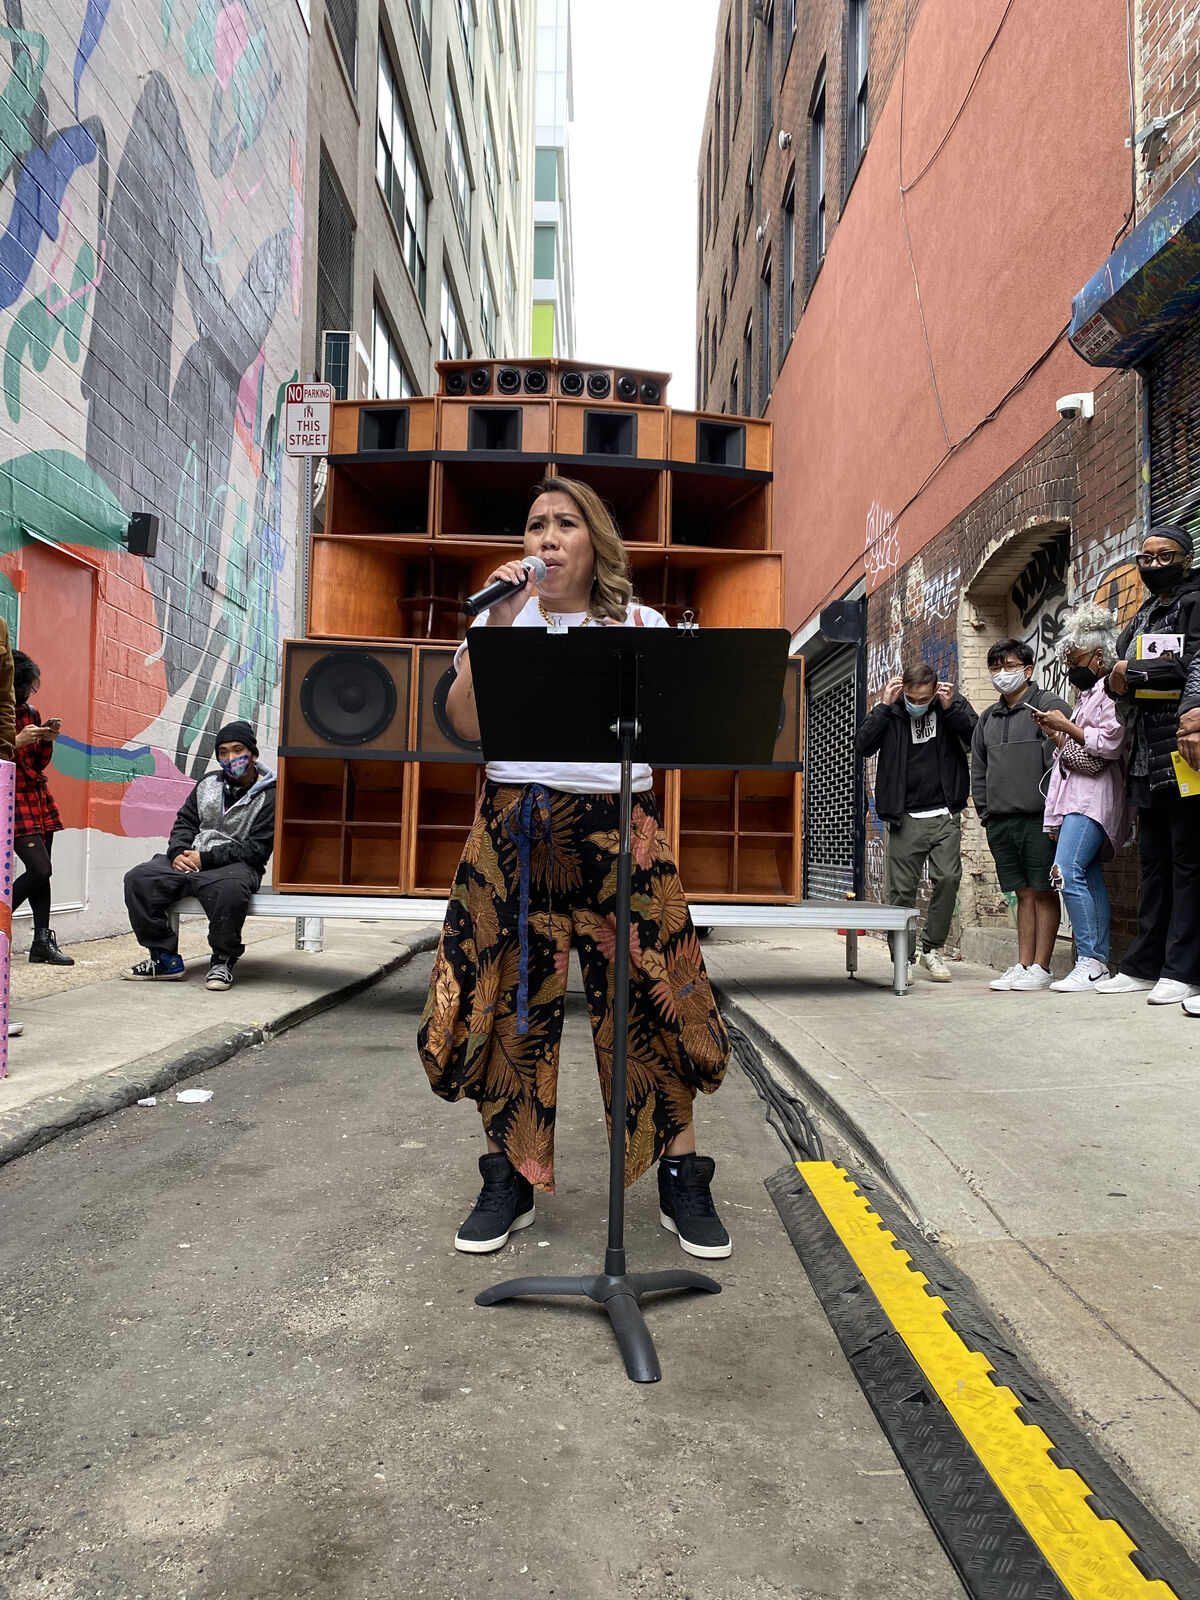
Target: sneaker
(1192,1007)
(1033,977)
(220,974)
(1170,991)
(935,966)
(1084,975)
(685,1206)
(15,1030)
(909,974)
(1122,983)
(505,1204)
(158,964)
(1007,979)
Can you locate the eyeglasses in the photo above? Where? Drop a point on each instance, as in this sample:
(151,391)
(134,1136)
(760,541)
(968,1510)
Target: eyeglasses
(1158,558)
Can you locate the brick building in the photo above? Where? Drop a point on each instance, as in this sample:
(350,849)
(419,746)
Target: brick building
(898,204)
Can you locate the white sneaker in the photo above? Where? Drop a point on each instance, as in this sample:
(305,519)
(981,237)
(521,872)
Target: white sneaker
(1192,1006)
(15,1030)
(935,966)
(1083,976)
(1170,991)
(1007,980)
(1033,977)
(909,972)
(1122,983)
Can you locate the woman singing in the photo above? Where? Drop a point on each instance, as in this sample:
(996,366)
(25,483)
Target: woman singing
(37,819)
(538,875)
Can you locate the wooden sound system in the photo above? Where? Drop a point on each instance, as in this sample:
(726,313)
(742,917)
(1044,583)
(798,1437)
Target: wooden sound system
(423,498)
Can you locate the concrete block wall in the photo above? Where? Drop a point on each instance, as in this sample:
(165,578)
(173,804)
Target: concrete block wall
(155,181)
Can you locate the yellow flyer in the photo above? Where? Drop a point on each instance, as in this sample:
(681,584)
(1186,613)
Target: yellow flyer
(1186,777)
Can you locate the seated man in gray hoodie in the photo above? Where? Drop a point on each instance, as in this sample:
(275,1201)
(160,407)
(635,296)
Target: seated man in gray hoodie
(1010,756)
(217,852)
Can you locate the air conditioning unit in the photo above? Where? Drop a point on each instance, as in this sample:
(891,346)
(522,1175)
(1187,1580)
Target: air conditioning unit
(346,364)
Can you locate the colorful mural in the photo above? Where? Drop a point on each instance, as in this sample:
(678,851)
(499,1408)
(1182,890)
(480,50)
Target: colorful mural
(149,320)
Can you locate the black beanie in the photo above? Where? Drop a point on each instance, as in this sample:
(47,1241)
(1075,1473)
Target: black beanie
(1176,534)
(237,733)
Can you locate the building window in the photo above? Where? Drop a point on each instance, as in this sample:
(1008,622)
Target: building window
(513,36)
(724,302)
(699,368)
(510,285)
(749,192)
(398,174)
(728,97)
(495,36)
(390,377)
(343,19)
(491,171)
(717,167)
(748,361)
(335,256)
(454,344)
(733,390)
(738,58)
(456,167)
(857,87)
(514,172)
(708,188)
(421,12)
(816,181)
(704,390)
(466,26)
(487,311)
(545,175)
(543,250)
(789,270)
(768,94)
(789,22)
(736,257)
(764,341)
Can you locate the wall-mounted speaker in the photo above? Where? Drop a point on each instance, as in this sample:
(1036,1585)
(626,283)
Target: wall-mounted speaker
(349,700)
(141,536)
(436,734)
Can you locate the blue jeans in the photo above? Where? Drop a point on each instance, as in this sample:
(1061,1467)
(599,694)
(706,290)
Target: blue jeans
(1080,842)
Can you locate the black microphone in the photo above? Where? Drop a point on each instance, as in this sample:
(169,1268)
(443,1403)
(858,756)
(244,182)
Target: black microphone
(500,590)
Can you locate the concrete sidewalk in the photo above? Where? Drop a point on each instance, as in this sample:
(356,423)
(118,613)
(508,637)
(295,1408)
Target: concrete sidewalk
(94,1043)
(1048,1141)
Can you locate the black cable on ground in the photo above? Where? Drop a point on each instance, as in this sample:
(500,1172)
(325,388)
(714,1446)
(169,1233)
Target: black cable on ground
(785,1113)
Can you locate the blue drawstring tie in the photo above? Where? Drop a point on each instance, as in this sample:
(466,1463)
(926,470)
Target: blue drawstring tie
(520,826)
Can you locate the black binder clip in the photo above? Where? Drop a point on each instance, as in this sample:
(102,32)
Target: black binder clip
(688,624)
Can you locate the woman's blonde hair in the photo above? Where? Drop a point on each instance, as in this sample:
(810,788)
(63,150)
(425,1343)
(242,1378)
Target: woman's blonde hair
(612,587)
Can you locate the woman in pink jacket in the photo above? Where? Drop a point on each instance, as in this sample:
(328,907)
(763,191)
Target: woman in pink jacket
(1086,804)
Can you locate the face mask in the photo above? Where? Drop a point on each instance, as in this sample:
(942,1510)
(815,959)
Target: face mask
(1082,677)
(1009,680)
(914,710)
(237,768)
(1159,579)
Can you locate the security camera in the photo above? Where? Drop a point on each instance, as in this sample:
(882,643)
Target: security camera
(1076,405)
(785,139)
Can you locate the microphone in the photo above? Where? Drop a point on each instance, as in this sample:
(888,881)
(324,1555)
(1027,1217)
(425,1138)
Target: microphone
(500,590)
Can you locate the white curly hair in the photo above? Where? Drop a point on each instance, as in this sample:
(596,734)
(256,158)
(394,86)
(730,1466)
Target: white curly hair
(1090,627)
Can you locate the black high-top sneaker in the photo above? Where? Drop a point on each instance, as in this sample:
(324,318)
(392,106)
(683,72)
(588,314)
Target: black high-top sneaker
(505,1204)
(685,1205)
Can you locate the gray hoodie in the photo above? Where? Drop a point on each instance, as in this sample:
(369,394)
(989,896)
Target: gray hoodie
(1010,756)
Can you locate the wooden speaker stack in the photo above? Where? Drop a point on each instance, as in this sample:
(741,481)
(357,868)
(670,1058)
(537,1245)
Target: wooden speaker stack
(424,497)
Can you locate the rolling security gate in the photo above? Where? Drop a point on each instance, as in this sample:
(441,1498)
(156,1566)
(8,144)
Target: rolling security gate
(829,779)
(1175,430)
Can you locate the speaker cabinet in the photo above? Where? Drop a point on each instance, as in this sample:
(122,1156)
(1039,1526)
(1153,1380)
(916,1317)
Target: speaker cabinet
(436,737)
(789,744)
(632,433)
(375,427)
(350,700)
(495,428)
(458,380)
(141,536)
(715,440)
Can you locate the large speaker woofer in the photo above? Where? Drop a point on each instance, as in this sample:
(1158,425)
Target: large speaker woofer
(627,388)
(508,380)
(348,698)
(571,383)
(481,380)
(442,717)
(536,381)
(598,385)
(456,382)
(651,392)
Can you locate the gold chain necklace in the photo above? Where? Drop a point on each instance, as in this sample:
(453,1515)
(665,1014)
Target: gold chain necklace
(557,622)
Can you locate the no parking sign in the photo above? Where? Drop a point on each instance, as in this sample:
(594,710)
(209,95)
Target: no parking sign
(306,419)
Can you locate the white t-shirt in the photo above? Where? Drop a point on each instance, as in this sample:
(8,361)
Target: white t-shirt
(575,777)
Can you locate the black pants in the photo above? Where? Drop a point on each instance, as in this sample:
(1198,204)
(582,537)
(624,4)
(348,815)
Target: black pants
(1168,937)
(152,888)
(34,883)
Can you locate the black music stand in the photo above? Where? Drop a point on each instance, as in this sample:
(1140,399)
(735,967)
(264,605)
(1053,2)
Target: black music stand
(675,698)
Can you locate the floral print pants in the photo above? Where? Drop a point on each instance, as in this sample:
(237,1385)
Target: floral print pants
(538,874)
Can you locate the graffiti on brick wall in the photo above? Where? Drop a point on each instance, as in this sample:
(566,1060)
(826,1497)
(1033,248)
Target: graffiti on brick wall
(1108,572)
(1039,599)
(881,546)
(921,624)
(149,319)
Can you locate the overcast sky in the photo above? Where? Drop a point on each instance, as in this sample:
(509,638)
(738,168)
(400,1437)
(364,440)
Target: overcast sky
(642,70)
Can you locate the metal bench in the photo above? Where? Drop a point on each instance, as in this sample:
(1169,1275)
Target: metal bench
(309,911)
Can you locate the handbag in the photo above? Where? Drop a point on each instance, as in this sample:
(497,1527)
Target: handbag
(1076,757)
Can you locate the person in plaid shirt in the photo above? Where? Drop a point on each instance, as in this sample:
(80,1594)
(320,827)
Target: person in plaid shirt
(37,819)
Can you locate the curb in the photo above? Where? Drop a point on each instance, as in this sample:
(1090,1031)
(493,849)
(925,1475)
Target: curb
(29,1127)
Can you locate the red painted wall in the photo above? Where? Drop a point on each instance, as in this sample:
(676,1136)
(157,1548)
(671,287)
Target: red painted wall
(1018,208)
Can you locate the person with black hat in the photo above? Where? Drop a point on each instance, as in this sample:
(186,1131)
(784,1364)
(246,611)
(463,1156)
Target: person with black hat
(1155,653)
(217,852)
